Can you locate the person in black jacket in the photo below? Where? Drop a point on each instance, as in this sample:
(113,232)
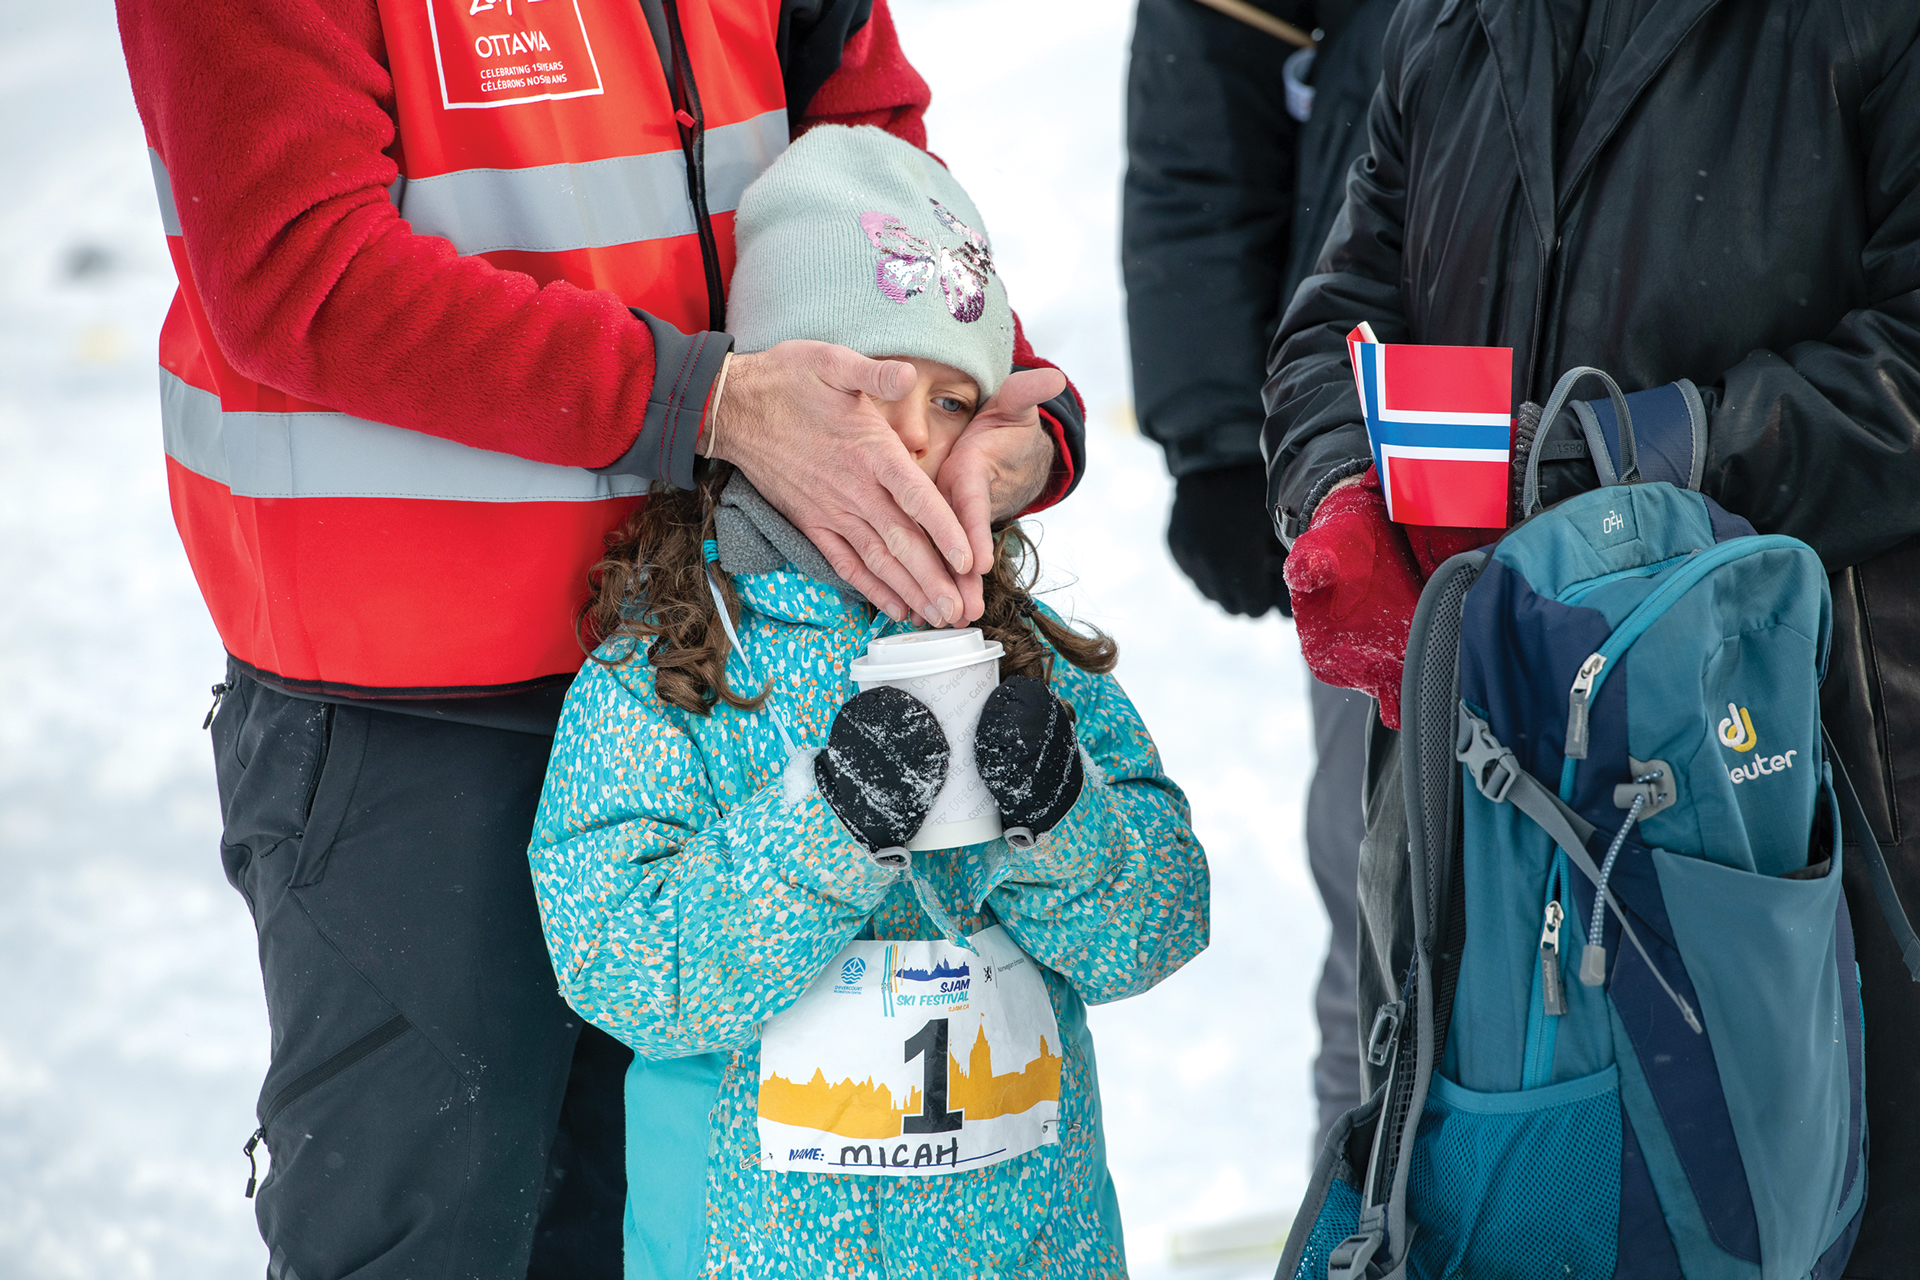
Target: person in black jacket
(1667,189)
(1229,196)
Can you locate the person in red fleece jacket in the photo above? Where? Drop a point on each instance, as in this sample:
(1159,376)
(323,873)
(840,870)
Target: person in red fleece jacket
(453,291)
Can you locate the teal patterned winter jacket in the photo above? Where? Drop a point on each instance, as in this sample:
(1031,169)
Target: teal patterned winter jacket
(689,892)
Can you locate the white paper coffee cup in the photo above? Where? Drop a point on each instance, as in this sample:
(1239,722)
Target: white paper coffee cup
(952,672)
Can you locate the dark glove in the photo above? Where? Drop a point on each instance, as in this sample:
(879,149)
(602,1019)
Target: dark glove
(1566,472)
(1027,754)
(1670,436)
(885,761)
(1222,539)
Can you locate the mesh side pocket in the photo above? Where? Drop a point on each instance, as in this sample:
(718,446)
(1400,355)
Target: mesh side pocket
(1516,1186)
(1339,1215)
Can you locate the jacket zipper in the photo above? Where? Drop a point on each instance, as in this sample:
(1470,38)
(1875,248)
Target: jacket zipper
(693,146)
(308,1081)
(1587,683)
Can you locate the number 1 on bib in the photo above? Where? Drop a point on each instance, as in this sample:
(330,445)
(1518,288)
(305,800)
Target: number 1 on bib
(930,1044)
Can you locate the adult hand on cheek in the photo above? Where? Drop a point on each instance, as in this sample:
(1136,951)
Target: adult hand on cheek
(998,466)
(796,419)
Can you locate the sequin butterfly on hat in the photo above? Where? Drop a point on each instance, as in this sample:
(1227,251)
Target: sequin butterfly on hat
(908,263)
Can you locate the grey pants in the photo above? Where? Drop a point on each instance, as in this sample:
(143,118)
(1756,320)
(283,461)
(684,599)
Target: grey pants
(1335,827)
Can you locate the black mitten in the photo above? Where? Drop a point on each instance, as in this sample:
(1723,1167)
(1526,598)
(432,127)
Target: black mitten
(1221,536)
(1029,758)
(885,761)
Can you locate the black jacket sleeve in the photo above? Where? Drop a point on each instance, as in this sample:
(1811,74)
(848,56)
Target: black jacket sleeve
(1821,440)
(1206,216)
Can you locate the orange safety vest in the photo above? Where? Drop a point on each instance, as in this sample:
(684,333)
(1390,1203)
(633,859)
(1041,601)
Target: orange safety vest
(539,135)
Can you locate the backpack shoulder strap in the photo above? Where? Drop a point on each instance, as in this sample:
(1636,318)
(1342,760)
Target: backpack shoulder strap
(1429,691)
(1854,816)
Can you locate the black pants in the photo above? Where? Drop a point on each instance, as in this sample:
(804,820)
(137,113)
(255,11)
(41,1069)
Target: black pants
(432,1108)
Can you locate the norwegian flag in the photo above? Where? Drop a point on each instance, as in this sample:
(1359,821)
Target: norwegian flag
(1440,420)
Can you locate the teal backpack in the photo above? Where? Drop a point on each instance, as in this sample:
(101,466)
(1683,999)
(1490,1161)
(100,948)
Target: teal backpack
(1629,1041)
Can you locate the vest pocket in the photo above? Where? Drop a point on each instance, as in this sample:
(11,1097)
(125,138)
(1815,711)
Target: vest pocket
(1516,1185)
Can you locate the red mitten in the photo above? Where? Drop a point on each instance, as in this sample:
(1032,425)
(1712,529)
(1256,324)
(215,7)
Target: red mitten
(1433,546)
(1355,583)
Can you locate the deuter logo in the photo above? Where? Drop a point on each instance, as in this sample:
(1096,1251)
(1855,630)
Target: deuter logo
(1736,730)
(1761,765)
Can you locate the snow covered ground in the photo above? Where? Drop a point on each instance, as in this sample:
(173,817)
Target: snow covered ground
(132,1033)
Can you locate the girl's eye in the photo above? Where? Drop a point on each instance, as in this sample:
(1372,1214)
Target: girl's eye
(950,404)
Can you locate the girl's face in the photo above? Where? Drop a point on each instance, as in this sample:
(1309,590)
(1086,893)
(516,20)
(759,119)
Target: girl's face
(930,418)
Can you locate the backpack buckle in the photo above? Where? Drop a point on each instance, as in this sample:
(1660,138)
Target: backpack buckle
(1386,1031)
(1351,1257)
(1489,762)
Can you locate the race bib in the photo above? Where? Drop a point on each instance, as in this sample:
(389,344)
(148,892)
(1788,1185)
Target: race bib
(912,1059)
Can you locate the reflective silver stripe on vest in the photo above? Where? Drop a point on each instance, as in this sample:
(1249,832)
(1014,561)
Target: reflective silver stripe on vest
(163,187)
(592,205)
(332,455)
(554,207)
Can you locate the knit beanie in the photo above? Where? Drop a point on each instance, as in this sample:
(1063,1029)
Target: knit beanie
(855,237)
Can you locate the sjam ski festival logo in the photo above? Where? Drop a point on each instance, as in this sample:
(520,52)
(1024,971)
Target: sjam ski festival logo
(904,988)
(494,53)
(1737,733)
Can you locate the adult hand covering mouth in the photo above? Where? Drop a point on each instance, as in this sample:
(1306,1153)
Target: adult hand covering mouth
(798,419)
(998,467)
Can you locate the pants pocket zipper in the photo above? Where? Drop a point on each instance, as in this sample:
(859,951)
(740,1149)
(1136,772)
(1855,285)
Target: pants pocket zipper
(307,1081)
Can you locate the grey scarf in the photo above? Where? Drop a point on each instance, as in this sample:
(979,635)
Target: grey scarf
(754,538)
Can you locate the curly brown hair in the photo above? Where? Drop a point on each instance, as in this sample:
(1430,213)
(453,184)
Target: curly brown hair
(651,586)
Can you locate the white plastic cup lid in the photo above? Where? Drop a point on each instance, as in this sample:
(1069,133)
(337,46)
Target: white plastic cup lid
(923,653)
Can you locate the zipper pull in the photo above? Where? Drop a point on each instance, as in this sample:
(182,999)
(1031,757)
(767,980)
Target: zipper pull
(220,691)
(1552,987)
(1577,706)
(253,1170)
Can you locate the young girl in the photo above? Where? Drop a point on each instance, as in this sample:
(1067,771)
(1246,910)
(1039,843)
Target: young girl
(720,853)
